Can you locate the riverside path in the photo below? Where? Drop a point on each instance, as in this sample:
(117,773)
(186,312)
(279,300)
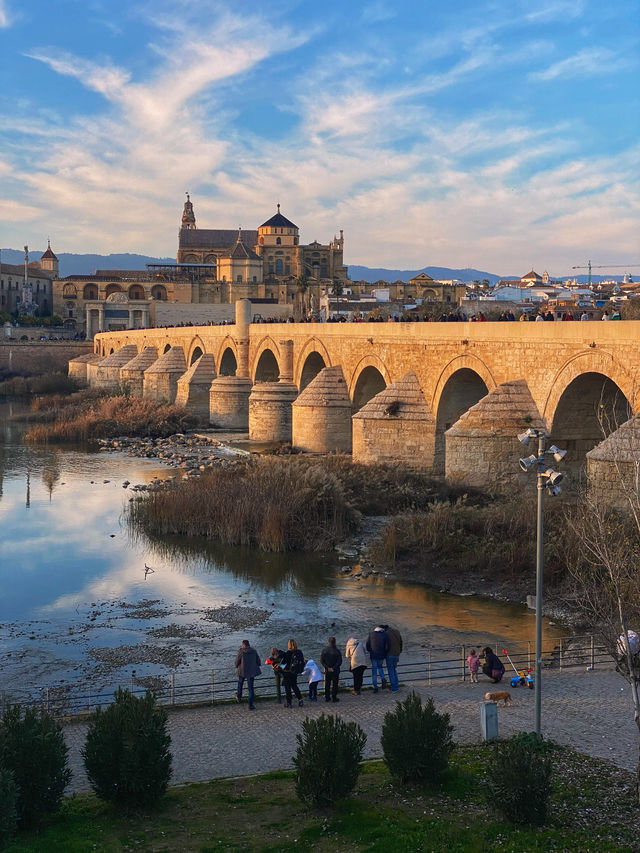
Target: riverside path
(589,711)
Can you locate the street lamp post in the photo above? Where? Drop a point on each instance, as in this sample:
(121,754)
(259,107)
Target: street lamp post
(548,479)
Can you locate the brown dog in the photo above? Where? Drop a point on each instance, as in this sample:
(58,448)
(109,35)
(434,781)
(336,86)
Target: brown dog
(498,696)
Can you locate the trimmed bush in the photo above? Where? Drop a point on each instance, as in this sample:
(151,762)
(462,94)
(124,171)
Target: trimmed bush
(32,747)
(126,754)
(416,741)
(8,811)
(519,780)
(327,760)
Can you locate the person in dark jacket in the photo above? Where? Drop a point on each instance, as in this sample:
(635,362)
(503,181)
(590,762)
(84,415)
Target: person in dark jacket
(247,667)
(274,660)
(292,665)
(378,646)
(492,666)
(393,656)
(331,660)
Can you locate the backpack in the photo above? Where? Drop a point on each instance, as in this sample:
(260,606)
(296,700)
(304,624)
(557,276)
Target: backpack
(297,662)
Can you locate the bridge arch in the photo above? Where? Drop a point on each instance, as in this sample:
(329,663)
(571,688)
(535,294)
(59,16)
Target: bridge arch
(590,398)
(313,358)
(463,382)
(369,378)
(196,350)
(266,361)
(226,362)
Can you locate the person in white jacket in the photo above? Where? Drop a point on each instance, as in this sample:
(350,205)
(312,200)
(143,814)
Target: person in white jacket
(358,659)
(312,672)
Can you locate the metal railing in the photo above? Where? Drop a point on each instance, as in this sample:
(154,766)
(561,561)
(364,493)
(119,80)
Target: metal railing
(202,687)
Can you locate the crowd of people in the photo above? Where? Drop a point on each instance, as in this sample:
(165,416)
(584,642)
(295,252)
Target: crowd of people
(380,651)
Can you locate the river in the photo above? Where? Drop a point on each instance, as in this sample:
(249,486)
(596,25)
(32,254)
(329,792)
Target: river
(85,603)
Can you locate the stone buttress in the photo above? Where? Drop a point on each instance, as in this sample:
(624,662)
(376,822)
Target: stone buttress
(322,414)
(78,367)
(132,373)
(161,379)
(194,387)
(482,447)
(396,426)
(106,373)
(613,467)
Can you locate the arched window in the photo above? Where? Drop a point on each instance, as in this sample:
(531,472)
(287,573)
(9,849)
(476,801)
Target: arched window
(262,241)
(278,241)
(279,267)
(90,291)
(136,291)
(159,292)
(112,288)
(69,291)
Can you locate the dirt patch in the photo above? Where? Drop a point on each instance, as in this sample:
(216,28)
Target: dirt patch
(237,616)
(179,632)
(114,658)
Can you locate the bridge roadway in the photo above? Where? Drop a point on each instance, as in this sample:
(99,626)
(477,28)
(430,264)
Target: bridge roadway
(589,711)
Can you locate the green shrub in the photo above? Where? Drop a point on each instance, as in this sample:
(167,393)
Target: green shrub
(8,811)
(32,747)
(327,761)
(519,780)
(126,754)
(416,741)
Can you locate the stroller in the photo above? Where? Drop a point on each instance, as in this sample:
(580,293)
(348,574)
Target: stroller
(522,677)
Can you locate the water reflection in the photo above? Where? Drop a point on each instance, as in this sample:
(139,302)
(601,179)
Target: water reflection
(70,569)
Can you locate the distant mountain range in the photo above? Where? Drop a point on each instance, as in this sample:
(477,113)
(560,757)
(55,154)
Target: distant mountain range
(72,264)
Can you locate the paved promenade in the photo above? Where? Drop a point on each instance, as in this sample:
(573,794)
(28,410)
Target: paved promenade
(590,711)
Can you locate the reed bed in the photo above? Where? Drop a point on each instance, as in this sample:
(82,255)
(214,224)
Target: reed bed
(89,415)
(48,383)
(283,503)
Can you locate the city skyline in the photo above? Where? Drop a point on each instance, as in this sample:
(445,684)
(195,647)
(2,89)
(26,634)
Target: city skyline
(496,137)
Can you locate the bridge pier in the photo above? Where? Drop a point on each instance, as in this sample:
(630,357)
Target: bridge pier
(161,379)
(270,414)
(78,366)
(194,387)
(321,421)
(132,373)
(106,373)
(396,426)
(482,447)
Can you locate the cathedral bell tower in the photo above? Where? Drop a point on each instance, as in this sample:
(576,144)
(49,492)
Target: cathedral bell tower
(188,216)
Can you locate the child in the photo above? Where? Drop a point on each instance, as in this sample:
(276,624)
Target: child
(315,677)
(473,662)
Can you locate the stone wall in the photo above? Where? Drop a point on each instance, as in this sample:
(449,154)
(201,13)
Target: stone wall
(33,358)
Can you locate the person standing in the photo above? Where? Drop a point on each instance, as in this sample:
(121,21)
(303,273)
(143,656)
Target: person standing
(356,655)
(274,660)
(248,667)
(473,662)
(331,660)
(292,664)
(377,646)
(313,674)
(393,656)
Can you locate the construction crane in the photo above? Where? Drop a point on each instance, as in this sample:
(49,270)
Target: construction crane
(591,266)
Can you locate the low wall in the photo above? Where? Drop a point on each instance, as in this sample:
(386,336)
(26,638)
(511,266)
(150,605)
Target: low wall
(34,357)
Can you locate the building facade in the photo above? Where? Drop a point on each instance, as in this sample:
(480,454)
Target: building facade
(39,281)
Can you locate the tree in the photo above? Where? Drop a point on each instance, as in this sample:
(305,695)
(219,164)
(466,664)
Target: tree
(606,586)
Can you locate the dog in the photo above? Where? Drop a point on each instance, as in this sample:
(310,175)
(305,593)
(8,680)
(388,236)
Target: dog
(498,696)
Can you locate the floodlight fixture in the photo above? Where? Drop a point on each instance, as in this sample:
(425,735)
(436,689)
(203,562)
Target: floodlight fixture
(554,478)
(558,454)
(553,489)
(526,436)
(528,461)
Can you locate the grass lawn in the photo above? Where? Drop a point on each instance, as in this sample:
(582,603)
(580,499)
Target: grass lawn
(593,809)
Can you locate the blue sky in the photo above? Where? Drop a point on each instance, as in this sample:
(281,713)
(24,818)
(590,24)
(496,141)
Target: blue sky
(499,135)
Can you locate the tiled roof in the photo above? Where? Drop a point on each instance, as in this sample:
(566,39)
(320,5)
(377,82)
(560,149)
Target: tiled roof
(402,400)
(173,361)
(214,238)
(327,389)
(623,445)
(278,221)
(507,410)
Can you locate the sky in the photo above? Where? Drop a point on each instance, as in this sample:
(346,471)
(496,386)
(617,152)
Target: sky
(497,135)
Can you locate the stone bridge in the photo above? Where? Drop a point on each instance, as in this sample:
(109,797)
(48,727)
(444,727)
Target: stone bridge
(448,397)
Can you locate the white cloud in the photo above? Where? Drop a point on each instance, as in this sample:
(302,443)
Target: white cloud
(587,62)
(5,20)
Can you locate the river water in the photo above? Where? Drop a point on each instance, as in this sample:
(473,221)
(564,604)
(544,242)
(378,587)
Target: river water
(78,607)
